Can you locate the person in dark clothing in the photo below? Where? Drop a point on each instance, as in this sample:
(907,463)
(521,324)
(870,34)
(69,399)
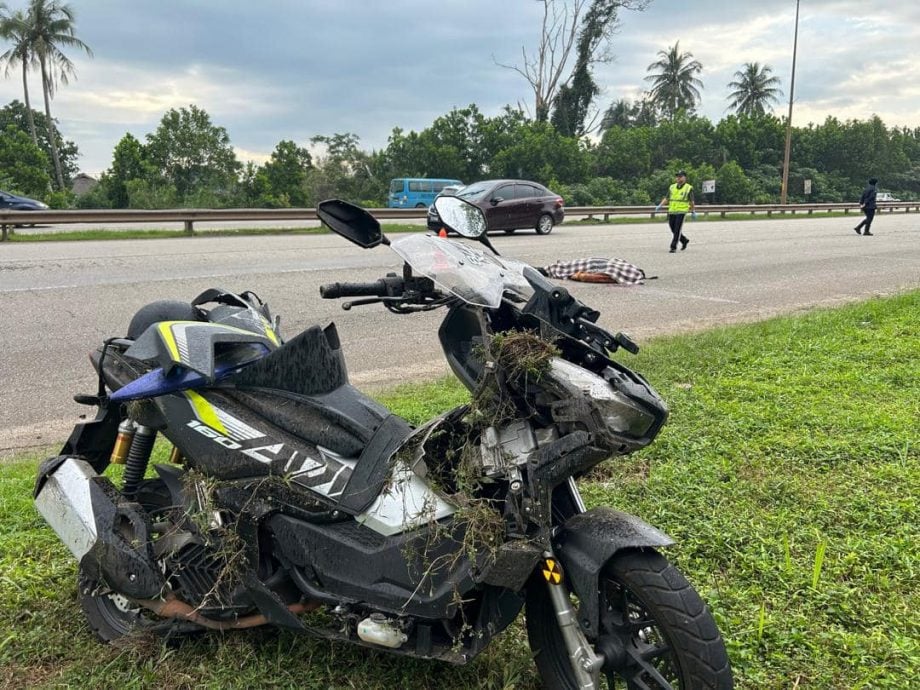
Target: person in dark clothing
(679,200)
(868,206)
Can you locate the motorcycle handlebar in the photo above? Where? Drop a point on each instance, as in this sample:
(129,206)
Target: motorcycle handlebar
(335,290)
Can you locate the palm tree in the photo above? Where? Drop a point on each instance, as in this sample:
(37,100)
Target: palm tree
(674,85)
(14,27)
(50,29)
(754,89)
(625,113)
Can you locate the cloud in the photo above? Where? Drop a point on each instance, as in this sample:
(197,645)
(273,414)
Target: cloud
(291,69)
(256,157)
(111,92)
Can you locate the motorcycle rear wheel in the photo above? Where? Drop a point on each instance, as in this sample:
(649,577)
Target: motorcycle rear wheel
(656,632)
(112,616)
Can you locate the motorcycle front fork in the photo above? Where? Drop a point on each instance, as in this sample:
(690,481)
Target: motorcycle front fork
(586,663)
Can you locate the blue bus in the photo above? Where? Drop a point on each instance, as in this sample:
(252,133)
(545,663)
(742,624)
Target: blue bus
(416,192)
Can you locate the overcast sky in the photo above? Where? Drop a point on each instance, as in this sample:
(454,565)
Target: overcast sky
(291,69)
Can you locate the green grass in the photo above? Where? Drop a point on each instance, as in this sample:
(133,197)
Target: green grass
(103,234)
(789,475)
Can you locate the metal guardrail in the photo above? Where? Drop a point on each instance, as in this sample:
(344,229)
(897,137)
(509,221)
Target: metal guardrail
(188,217)
(723,209)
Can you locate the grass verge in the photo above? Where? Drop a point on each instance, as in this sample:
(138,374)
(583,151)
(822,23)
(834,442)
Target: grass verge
(789,474)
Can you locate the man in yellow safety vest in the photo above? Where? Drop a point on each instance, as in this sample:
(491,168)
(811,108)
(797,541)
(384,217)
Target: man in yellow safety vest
(680,200)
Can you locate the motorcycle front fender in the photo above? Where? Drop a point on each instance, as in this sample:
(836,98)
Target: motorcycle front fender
(586,542)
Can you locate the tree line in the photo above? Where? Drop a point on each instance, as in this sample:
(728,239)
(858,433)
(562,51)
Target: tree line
(626,154)
(188,160)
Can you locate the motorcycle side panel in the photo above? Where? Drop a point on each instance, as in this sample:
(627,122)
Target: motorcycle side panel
(225,440)
(222,436)
(586,542)
(422,573)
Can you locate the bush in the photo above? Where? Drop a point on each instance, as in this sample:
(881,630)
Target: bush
(145,194)
(97,197)
(576,195)
(607,191)
(732,186)
(63,199)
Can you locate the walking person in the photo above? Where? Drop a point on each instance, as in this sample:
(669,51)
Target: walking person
(868,205)
(680,200)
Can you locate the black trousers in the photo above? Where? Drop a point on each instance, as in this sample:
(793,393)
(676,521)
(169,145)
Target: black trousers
(676,222)
(867,221)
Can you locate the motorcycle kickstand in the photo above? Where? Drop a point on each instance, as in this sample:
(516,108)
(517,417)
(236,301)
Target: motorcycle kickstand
(586,663)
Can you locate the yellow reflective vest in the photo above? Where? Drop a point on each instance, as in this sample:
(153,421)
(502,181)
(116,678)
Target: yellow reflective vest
(679,198)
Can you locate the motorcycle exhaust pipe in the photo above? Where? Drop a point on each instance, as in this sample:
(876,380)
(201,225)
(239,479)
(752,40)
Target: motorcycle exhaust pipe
(109,536)
(173,607)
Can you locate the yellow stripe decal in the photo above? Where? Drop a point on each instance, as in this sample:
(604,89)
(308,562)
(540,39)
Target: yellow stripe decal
(168,338)
(206,412)
(270,332)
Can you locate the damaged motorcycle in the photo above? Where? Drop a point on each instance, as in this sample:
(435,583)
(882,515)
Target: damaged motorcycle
(292,499)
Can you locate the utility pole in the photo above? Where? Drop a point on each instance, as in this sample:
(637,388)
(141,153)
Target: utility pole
(795,43)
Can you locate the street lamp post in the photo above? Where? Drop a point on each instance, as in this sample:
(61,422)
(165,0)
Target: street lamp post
(795,43)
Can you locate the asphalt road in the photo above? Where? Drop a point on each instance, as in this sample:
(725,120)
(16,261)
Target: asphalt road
(59,300)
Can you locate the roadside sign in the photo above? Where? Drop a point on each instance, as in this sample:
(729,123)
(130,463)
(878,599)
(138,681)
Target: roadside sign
(709,186)
(808,186)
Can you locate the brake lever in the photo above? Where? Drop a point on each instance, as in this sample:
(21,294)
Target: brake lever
(361,302)
(370,300)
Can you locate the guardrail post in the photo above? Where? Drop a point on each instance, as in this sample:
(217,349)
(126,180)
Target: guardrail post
(4,232)
(189,230)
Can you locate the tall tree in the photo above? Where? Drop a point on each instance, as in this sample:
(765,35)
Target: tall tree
(14,27)
(51,29)
(285,174)
(343,169)
(191,153)
(754,89)
(573,101)
(15,113)
(624,113)
(582,26)
(128,163)
(23,164)
(675,86)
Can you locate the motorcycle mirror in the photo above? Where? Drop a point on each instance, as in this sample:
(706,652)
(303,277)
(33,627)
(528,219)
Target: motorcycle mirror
(461,216)
(351,222)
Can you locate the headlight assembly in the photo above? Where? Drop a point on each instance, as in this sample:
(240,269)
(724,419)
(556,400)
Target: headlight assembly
(619,414)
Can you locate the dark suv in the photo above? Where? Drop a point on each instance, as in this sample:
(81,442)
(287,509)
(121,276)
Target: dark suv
(510,205)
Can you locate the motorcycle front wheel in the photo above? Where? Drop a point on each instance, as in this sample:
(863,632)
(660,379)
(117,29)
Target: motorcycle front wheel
(656,632)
